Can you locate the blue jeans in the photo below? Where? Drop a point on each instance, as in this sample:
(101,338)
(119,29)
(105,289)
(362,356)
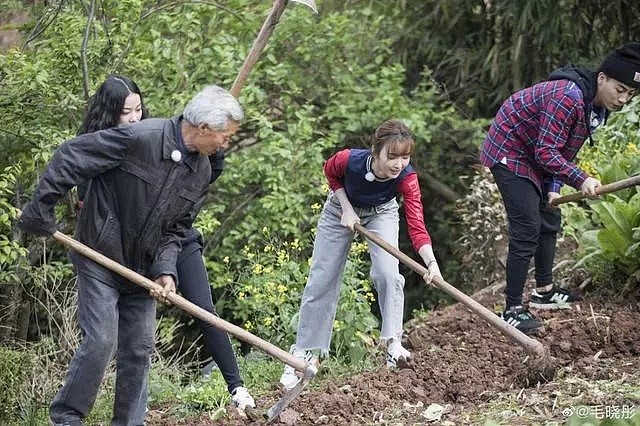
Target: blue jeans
(330,250)
(118,318)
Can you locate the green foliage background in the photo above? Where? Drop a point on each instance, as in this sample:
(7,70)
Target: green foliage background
(323,83)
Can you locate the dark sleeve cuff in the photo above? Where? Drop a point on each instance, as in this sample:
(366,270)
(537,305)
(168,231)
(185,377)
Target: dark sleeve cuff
(160,268)
(34,222)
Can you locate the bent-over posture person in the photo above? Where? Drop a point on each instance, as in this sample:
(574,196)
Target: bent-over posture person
(530,149)
(118,100)
(364,186)
(148,181)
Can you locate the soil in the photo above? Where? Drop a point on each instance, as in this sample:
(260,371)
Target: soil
(465,366)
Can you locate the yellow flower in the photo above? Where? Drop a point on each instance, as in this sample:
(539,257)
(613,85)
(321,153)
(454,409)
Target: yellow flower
(283,257)
(282,288)
(268,321)
(631,149)
(370,296)
(337,325)
(359,247)
(316,206)
(257,269)
(226,259)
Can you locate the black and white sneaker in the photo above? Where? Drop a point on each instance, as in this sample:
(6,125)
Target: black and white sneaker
(557,298)
(519,317)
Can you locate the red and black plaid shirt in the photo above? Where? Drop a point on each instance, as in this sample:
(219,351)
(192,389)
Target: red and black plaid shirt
(537,133)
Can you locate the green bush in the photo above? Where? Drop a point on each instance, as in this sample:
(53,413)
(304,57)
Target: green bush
(268,292)
(608,231)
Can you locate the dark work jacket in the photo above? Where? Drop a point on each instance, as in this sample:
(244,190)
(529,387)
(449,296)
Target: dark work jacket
(140,203)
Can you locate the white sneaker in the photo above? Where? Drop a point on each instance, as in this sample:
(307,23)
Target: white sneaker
(395,353)
(290,376)
(242,398)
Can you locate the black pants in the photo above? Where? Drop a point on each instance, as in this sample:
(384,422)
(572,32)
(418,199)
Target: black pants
(533,228)
(193,284)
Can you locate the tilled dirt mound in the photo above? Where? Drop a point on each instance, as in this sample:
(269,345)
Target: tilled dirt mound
(459,359)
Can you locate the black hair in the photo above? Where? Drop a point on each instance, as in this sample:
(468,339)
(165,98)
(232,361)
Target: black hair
(105,106)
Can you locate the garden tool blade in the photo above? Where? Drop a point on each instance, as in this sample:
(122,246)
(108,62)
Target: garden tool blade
(309,3)
(274,412)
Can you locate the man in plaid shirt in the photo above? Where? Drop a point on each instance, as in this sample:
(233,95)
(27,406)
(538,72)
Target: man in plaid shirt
(530,148)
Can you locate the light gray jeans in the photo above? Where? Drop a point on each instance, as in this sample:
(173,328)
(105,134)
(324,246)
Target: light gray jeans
(110,320)
(330,250)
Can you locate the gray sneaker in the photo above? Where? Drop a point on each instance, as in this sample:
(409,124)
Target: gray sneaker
(396,353)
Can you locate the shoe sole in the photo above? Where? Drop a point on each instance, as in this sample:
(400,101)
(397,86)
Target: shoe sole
(549,306)
(531,331)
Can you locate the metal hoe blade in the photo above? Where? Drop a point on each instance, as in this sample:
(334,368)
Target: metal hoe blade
(309,3)
(274,412)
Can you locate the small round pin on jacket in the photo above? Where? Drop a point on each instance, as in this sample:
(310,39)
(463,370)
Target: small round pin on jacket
(176,155)
(369,176)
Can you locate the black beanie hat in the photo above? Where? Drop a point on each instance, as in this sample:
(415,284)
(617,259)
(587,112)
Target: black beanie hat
(624,65)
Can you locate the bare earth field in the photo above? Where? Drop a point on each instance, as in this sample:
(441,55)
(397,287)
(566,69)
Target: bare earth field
(474,374)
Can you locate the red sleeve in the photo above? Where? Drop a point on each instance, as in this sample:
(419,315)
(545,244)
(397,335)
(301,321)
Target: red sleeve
(335,167)
(409,188)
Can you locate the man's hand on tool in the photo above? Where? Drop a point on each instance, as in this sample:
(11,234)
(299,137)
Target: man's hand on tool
(552,196)
(590,186)
(168,285)
(31,223)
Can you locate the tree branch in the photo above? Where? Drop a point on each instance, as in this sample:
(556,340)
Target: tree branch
(440,188)
(233,215)
(41,25)
(83,49)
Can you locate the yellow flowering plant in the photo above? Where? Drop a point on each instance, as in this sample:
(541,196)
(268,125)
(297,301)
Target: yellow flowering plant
(268,290)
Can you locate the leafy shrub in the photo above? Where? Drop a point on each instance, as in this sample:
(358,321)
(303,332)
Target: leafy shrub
(269,290)
(15,367)
(482,220)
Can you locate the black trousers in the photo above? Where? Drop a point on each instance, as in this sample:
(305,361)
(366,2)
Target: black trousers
(193,284)
(533,227)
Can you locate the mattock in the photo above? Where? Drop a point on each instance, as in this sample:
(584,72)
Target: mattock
(530,345)
(308,370)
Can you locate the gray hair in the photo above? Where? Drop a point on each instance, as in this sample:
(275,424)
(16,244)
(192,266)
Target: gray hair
(213,106)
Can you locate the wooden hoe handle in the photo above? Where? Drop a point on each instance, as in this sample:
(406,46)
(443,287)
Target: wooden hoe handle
(182,303)
(530,345)
(604,189)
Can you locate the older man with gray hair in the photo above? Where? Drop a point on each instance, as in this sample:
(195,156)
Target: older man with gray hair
(147,182)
